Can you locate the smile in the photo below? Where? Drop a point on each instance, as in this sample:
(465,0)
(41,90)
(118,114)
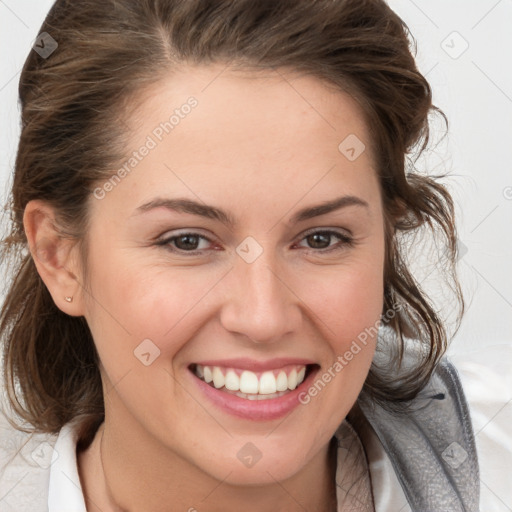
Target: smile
(253,391)
(253,385)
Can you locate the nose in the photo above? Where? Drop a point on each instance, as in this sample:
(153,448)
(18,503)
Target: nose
(259,302)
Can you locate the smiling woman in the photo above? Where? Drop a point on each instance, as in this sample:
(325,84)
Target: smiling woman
(230,323)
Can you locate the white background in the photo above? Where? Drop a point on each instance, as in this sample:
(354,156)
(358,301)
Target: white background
(474,88)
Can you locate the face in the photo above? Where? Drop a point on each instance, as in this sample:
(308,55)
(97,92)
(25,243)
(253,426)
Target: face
(207,260)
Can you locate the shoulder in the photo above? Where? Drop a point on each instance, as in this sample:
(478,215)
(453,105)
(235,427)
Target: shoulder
(486,377)
(25,461)
(430,439)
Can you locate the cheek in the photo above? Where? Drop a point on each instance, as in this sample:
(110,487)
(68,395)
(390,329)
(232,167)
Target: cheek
(140,317)
(348,301)
(132,301)
(349,308)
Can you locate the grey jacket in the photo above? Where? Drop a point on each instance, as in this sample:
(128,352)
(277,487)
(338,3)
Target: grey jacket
(431,445)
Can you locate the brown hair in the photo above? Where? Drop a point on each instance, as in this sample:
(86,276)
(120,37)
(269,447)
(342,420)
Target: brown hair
(107,52)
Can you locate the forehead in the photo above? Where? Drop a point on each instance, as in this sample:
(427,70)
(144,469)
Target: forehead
(249,134)
(241,102)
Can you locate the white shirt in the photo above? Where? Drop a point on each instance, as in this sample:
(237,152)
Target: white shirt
(65,491)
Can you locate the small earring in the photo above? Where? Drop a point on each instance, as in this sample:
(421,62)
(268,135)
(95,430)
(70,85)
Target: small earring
(69,299)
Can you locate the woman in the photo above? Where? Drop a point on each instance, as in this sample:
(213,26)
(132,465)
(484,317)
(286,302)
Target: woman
(216,311)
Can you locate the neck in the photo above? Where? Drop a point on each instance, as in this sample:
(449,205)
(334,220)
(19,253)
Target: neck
(125,469)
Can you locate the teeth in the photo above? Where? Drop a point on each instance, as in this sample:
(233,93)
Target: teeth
(282,381)
(218,377)
(232,381)
(267,384)
(260,397)
(208,377)
(248,384)
(292,379)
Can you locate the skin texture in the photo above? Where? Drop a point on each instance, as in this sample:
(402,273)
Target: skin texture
(260,145)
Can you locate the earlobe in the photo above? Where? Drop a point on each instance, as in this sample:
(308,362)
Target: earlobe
(54,256)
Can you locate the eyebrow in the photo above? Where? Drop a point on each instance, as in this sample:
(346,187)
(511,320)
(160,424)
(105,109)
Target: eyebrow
(192,207)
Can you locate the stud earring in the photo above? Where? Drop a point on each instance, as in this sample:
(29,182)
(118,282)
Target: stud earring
(69,299)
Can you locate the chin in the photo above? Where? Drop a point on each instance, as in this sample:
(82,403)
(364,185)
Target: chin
(258,460)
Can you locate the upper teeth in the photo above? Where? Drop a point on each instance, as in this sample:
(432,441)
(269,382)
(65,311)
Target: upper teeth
(246,381)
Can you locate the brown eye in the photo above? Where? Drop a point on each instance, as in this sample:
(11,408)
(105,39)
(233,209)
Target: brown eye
(187,242)
(184,242)
(321,240)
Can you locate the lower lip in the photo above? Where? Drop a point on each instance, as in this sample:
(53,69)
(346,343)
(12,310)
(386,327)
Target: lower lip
(255,410)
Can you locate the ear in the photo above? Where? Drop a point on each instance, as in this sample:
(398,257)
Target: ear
(55,257)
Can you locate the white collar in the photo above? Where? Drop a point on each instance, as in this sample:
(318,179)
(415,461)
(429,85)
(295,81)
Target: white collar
(65,491)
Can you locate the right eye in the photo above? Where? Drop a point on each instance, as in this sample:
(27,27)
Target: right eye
(184,243)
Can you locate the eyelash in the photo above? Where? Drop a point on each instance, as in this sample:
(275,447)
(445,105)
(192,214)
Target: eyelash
(346,241)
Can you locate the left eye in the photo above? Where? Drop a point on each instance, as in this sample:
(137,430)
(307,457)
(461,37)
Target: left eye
(321,238)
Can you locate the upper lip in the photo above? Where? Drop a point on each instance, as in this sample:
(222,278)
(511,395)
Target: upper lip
(254,365)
